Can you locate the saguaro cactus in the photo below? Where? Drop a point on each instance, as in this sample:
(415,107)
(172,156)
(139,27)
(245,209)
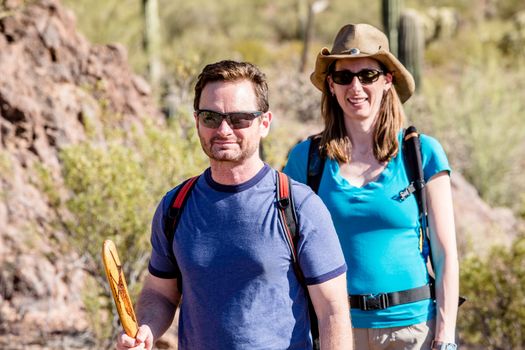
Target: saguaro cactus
(152,40)
(411,43)
(309,8)
(391,10)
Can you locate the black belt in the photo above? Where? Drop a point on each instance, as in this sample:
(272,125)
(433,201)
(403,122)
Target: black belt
(381,301)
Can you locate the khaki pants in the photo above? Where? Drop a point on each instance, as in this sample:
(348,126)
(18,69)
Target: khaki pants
(414,337)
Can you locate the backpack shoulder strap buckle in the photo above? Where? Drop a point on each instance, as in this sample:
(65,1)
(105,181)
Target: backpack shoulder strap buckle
(406,192)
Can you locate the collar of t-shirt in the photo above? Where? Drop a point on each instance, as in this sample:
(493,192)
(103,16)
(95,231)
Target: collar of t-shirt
(239,187)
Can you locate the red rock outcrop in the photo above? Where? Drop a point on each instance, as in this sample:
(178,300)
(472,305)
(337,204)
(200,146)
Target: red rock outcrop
(478,225)
(54,87)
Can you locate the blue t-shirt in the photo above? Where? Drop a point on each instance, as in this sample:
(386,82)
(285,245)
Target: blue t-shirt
(379,233)
(239,286)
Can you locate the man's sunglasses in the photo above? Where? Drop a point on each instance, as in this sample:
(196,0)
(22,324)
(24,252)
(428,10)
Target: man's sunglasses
(236,120)
(365,76)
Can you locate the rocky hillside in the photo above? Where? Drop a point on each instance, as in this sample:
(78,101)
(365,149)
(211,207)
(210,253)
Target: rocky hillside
(55,88)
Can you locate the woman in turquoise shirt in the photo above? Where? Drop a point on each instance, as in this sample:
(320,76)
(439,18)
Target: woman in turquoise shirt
(363,87)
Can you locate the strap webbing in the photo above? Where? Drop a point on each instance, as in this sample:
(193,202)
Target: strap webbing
(382,301)
(288,218)
(286,213)
(172,219)
(315,164)
(182,194)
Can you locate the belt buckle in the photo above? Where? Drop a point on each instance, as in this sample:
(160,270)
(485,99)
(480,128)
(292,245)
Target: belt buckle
(373,302)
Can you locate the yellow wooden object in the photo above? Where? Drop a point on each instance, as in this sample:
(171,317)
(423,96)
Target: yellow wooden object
(119,288)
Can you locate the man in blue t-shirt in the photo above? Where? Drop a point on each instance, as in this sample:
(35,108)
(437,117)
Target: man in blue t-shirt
(240,288)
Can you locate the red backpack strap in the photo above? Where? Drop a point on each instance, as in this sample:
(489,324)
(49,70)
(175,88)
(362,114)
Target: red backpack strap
(288,218)
(171,219)
(287,213)
(182,195)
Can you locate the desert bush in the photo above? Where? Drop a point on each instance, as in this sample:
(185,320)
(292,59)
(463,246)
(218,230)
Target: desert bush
(110,200)
(233,19)
(109,190)
(254,51)
(473,102)
(170,155)
(494,316)
(241,30)
(508,8)
(474,111)
(341,12)
(115,188)
(513,42)
(294,96)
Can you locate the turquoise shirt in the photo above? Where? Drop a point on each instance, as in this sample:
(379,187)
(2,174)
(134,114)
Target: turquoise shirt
(379,233)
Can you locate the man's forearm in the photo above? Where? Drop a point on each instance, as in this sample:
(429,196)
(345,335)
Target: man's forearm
(336,333)
(330,301)
(156,311)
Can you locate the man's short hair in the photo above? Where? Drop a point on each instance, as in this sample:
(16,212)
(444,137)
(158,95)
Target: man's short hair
(228,70)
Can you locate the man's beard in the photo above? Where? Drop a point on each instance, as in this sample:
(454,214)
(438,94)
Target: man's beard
(228,155)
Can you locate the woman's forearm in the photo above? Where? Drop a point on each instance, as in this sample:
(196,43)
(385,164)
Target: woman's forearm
(447,294)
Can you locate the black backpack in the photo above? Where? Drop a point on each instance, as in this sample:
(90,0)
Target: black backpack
(287,217)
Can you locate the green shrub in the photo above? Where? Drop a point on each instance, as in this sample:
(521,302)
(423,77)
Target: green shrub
(115,188)
(494,316)
(110,200)
(101,312)
(170,155)
(513,41)
(475,112)
(109,191)
(47,185)
(254,51)
(341,12)
(508,8)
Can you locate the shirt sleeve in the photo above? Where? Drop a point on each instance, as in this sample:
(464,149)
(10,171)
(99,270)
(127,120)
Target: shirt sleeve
(319,252)
(433,157)
(161,263)
(297,162)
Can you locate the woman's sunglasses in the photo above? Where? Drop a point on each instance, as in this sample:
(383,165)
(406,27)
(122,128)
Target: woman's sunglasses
(236,120)
(365,76)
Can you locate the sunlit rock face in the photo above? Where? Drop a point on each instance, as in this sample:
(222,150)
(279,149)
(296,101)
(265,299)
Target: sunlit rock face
(54,89)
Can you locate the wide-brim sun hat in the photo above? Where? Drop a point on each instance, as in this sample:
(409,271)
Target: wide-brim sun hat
(363,40)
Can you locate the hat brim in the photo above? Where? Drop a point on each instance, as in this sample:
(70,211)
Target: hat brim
(402,79)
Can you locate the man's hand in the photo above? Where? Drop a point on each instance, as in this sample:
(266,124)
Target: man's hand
(144,340)
(156,307)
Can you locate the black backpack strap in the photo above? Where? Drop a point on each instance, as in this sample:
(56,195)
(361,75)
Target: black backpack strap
(288,218)
(414,166)
(315,164)
(171,219)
